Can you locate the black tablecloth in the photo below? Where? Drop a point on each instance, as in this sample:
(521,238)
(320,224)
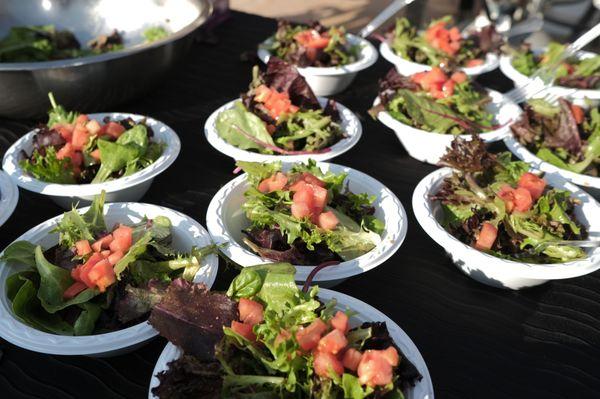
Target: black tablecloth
(478,342)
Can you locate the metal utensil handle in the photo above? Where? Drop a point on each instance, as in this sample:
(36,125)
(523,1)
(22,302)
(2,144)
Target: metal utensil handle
(383,16)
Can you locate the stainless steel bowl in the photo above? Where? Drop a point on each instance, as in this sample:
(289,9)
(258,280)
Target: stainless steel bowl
(95,83)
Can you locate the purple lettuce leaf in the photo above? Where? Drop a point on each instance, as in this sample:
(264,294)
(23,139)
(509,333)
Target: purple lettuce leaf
(190,377)
(285,77)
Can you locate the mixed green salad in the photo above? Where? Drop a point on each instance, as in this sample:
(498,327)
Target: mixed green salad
(498,206)
(435,101)
(312,44)
(306,216)
(97,278)
(563,134)
(46,43)
(442,44)
(71,148)
(573,72)
(266,338)
(280,114)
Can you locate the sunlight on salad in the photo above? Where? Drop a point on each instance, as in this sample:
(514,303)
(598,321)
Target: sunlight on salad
(267,338)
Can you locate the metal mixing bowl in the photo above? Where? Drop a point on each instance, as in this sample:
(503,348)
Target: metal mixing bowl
(95,83)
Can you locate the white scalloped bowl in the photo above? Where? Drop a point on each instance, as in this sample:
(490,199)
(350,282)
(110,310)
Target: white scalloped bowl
(365,313)
(9,197)
(407,67)
(325,81)
(128,188)
(520,80)
(186,233)
(494,271)
(349,123)
(524,154)
(430,147)
(225,221)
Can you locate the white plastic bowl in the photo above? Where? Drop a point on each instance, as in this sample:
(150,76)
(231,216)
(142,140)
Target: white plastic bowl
(524,154)
(365,313)
(407,67)
(9,197)
(186,233)
(128,188)
(349,123)
(430,147)
(325,81)
(225,221)
(520,80)
(495,271)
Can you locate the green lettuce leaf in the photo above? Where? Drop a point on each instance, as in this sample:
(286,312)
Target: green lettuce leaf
(242,118)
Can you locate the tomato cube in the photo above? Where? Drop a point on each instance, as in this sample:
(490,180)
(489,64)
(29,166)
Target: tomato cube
(113,129)
(83,247)
(122,239)
(522,199)
(304,195)
(74,289)
(308,337)
(65,152)
(65,131)
(487,236)
(93,127)
(351,359)
(532,183)
(507,194)
(80,137)
(333,342)
(459,77)
(340,321)
(320,197)
(326,363)
(243,329)
(374,369)
(102,275)
(391,355)
(301,210)
(448,88)
(81,119)
(327,220)
(96,154)
(251,312)
(312,179)
(114,257)
(102,243)
(474,63)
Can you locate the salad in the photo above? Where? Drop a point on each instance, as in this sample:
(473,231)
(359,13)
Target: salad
(442,43)
(305,216)
(71,148)
(435,101)
(265,338)
(496,205)
(97,278)
(280,114)
(573,72)
(46,43)
(565,135)
(312,45)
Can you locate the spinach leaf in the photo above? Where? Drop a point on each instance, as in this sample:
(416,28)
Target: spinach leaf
(86,322)
(424,113)
(19,252)
(137,137)
(114,157)
(247,121)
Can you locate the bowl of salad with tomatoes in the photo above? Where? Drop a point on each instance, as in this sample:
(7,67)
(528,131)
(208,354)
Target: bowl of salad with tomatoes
(312,215)
(313,343)
(428,109)
(74,157)
(441,43)
(329,58)
(280,118)
(84,283)
(505,224)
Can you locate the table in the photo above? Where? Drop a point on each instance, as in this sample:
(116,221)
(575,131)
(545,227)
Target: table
(478,341)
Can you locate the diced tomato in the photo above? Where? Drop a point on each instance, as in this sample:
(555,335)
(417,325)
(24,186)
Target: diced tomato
(333,342)
(96,154)
(327,220)
(273,183)
(454,33)
(418,77)
(93,127)
(283,336)
(308,337)
(82,119)
(301,210)
(312,179)
(340,321)
(459,77)
(487,236)
(312,39)
(298,185)
(65,131)
(351,359)
(261,93)
(326,363)
(523,199)
(115,257)
(507,194)
(436,75)
(243,329)
(106,253)
(391,355)
(374,369)
(122,239)
(75,273)
(578,113)
(102,243)
(83,247)
(474,63)
(74,289)
(113,129)
(532,183)
(84,270)
(448,88)
(446,40)
(319,197)
(102,275)
(305,195)
(263,186)
(80,137)
(251,312)
(65,152)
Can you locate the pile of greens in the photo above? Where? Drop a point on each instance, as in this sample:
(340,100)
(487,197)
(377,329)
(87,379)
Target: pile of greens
(237,368)
(143,274)
(131,152)
(407,42)
(471,197)
(553,134)
(277,235)
(463,112)
(573,72)
(336,52)
(249,125)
